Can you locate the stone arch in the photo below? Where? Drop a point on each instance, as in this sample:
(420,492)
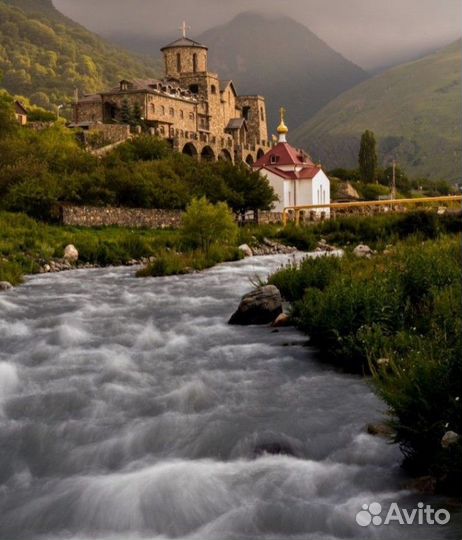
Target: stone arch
(249,160)
(225,155)
(190,150)
(207,154)
(260,153)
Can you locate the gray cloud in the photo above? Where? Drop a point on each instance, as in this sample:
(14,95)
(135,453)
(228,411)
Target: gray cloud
(369,32)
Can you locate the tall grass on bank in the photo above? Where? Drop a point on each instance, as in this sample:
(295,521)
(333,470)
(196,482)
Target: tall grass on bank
(397,316)
(25,244)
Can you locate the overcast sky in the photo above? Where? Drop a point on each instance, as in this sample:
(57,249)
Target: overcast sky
(368,32)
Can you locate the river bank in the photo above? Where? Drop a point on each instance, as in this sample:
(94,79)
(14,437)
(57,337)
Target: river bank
(130,409)
(394,315)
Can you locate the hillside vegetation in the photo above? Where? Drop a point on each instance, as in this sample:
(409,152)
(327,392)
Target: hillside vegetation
(45,56)
(414,111)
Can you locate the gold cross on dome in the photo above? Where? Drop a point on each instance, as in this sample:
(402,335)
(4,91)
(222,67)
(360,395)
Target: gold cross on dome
(283,113)
(184,28)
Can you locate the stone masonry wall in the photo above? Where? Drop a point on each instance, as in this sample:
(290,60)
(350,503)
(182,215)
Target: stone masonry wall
(93,216)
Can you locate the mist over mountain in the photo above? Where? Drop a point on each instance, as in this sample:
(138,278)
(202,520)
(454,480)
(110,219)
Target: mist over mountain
(413,109)
(281,60)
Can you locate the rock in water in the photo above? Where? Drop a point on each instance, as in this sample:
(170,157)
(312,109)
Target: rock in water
(260,306)
(246,250)
(5,285)
(71,254)
(281,320)
(449,438)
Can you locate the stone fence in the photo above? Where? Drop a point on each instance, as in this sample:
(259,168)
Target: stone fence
(149,218)
(94,216)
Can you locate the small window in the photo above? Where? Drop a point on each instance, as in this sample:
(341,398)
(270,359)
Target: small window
(274,159)
(172,111)
(194,62)
(181,113)
(194,88)
(246,113)
(191,116)
(162,109)
(178,62)
(213,89)
(153,108)
(262,114)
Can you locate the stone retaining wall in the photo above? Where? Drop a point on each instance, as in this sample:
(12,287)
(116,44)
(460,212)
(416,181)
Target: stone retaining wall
(93,216)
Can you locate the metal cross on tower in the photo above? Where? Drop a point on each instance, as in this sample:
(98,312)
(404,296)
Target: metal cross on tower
(184,28)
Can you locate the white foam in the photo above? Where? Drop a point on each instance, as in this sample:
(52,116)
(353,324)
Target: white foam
(9,382)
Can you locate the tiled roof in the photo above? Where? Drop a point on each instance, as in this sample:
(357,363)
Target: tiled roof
(283,154)
(184,42)
(307,173)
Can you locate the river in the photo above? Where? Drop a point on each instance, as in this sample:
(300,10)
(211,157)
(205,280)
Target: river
(129,409)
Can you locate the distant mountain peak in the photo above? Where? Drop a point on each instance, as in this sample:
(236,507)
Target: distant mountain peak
(281,59)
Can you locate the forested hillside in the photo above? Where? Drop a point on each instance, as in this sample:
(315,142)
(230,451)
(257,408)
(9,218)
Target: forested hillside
(414,110)
(45,56)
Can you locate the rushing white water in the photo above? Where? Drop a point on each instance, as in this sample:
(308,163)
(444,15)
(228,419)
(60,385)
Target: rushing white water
(129,409)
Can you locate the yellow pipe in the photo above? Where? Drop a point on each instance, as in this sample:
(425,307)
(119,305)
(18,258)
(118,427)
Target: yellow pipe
(449,199)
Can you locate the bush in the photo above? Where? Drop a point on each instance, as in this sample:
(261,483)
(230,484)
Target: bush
(205,224)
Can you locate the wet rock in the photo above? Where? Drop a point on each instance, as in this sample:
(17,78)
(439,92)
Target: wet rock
(380,429)
(363,251)
(5,286)
(260,306)
(281,320)
(324,246)
(449,439)
(245,249)
(71,254)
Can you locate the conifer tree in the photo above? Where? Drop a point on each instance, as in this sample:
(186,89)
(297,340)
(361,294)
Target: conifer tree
(367,157)
(125,113)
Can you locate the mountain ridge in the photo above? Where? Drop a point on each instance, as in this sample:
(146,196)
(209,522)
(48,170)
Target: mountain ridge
(414,109)
(45,56)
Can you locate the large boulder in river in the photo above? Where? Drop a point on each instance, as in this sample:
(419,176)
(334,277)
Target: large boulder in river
(5,285)
(71,254)
(260,306)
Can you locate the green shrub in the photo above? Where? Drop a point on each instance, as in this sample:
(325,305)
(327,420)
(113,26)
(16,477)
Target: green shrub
(205,224)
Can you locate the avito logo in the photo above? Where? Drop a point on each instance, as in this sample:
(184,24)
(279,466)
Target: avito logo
(371,514)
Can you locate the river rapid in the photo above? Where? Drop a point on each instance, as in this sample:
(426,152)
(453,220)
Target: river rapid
(129,409)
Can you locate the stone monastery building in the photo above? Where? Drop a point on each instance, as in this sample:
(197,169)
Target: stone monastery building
(191,107)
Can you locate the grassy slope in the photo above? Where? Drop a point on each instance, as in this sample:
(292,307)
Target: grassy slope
(414,109)
(41,51)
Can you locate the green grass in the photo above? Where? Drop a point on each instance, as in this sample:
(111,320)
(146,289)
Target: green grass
(168,263)
(25,244)
(413,109)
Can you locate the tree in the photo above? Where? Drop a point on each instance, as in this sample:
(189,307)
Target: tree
(367,157)
(125,113)
(136,117)
(205,224)
(248,190)
(8,124)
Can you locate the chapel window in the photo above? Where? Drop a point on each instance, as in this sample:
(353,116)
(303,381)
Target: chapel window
(178,62)
(194,62)
(172,111)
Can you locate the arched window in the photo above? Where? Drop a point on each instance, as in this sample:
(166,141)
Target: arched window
(163,109)
(178,62)
(262,114)
(213,89)
(195,62)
